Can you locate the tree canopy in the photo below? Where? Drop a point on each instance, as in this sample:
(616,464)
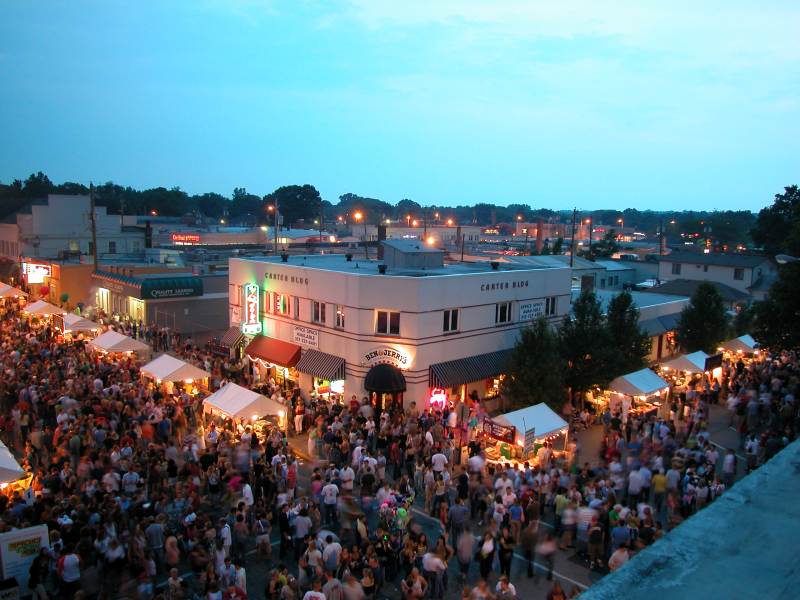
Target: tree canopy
(631,343)
(777,228)
(703,323)
(775,320)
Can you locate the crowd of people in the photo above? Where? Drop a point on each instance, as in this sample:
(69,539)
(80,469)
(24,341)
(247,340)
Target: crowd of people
(138,488)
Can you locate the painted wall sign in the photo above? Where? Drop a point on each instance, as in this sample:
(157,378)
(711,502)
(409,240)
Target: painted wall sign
(528,311)
(305,336)
(387,355)
(504,285)
(286,278)
(251,324)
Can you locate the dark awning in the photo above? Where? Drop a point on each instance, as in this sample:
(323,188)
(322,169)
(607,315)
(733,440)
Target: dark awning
(321,364)
(385,379)
(273,351)
(232,337)
(466,370)
(171,287)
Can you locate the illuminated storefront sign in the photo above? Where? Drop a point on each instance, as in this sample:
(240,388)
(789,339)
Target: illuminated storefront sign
(35,272)
(438,398)
(251,324)
(185,238)
(386,355)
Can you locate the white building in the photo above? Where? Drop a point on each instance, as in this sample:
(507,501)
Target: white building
(743,272)
(61,226)
(408,328)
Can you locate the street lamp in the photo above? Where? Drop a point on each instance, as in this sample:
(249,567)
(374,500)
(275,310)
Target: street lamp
(449,222)
(273,208)
(408,220)
(414,222)
(358,216)
(591,226)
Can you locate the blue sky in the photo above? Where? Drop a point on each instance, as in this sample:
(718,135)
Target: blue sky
(583,103)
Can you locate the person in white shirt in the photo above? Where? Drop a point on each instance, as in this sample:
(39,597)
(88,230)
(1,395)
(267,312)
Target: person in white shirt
(618,558)
(330,496)
(316,593)
(439,462)
(330,556)
(347,475)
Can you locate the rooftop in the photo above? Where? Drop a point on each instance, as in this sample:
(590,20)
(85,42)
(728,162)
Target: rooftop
(687,287)
(615,265)
(741,546)
(640,299)
(362,266)
(721,259)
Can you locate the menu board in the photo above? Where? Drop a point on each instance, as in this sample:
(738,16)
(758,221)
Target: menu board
(502,433)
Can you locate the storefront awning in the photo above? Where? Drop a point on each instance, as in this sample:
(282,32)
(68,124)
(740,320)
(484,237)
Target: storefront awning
(273,351)
(321,364)
(639,383)
(385,379)
(466,370)
(232,337)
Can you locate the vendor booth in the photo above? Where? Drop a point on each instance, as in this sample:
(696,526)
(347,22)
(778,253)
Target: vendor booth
(242,405)
(7,291)
(520,434)
(636,393)
(690,363)
(114,342)
(744,344)
(72,323)
(40,308)
(12,476)
(168,370)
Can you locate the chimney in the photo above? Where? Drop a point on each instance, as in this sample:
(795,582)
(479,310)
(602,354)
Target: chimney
(382,269)
(539,236)
(381,238)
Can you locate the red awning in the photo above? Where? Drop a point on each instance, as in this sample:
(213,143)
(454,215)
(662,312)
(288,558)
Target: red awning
(273,351)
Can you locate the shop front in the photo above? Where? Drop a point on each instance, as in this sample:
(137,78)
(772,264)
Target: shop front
(386,385)
(322,373)
(472,380)
(274,360)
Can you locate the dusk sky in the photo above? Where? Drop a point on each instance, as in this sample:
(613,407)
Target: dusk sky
(652,105)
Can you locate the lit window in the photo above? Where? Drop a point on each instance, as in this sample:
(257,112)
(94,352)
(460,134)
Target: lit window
(502,312)
(450,320)
(387,322)
(281,304)
(339,316)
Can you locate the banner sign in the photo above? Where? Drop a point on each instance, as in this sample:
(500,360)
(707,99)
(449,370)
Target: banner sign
(530,441)
(502,433)
(18,548)
(251,324)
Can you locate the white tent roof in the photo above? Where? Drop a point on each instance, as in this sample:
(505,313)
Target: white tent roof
(7,291)
(73,322)
(540,417)
(238,402)
(639,383)
(743,343)
(113,341)
(9,467)
(40,307)
(168,368)
(693,363)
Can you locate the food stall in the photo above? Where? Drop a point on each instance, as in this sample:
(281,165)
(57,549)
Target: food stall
(8,291)
(518,435)
(13,477)
(113,342)
(72,324)
(245,406)
(40,308)
(638,393)
(742,345)
(170,371)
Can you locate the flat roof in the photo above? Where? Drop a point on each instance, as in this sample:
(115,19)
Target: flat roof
(362,266)
(640,299)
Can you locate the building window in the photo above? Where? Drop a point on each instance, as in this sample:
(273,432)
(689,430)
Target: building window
(676,268)
(339,316)
(550,305)
(738,274)
(112,247)
(602,284)
(318,312)
(502,312)
(705,268)
(450,320)
(296,307)
(281,304)
(387,322)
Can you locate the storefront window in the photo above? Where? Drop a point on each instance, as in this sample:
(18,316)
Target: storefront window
(493,387)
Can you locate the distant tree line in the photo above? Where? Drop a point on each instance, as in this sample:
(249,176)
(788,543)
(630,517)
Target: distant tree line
(304,203)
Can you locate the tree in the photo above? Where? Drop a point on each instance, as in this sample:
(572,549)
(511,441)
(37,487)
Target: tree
(408,207)
(296,202)
(775,320)
(558,247)
(536,373)
(37,185)
(631,343)
(586,345)
(703,323)
(606,246)
(777,228)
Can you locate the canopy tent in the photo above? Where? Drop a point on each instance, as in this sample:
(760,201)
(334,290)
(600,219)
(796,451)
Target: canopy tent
(113,341)
(238,402)
(639,383)
(9,467)
(73,322)
(693,363)
(169,368)
(540,418)
(7,291)
(744,343)
(42,308)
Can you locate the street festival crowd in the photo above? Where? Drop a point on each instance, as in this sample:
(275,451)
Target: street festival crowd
(143,498)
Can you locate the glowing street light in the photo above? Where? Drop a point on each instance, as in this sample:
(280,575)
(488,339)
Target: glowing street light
(408,220)
(450,222)
(414,223)
(358,216)
(431,240)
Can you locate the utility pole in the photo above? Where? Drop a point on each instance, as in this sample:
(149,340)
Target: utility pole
(661,236)
(572,242)
(321,222)
(94,225)
(591,227)
(276,225)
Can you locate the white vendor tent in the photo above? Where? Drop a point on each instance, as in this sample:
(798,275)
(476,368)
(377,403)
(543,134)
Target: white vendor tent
(168,368)
(693,363)
(9,467)
(42,308)
(539,417)
(113,341)
(639,383)
(744,343)
(7,291)
(240,403)
(73,322)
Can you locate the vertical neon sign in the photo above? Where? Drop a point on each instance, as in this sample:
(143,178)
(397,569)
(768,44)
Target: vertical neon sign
(251,324)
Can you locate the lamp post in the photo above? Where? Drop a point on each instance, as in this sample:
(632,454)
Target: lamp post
(408,220)
(591,226)
(274,210)
(527,230)
(358,216)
